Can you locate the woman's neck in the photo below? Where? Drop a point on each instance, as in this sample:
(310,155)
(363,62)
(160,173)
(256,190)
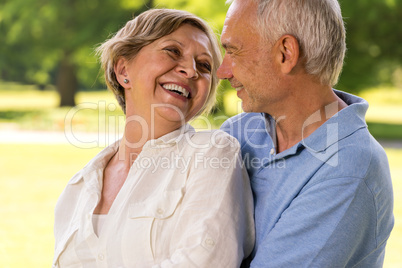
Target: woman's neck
(139,132)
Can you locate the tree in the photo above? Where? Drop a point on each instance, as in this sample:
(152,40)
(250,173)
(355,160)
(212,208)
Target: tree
(53,40)
(214,12)
(374,34)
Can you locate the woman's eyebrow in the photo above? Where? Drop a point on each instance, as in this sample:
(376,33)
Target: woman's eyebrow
(182,45)
(173,40)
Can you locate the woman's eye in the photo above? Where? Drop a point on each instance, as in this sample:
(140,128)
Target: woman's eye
(205,67)
(173,51)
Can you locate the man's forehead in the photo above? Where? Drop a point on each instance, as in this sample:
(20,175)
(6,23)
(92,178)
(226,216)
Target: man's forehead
(228,31)
(241,15)
(241,11)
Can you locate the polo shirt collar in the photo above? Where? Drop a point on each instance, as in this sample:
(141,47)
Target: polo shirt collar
(341,125)
(338,127)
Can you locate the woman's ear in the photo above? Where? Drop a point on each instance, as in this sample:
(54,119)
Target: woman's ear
(120,69)
(290,53)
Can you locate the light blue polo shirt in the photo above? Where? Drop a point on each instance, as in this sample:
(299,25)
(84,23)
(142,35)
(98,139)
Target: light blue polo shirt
(325,202)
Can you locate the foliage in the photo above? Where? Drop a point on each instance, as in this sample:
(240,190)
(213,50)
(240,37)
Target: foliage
(374,34)
(35,35)
(214,12)
(43,40)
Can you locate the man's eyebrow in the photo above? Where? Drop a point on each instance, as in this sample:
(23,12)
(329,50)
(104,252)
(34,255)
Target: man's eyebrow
(227,46)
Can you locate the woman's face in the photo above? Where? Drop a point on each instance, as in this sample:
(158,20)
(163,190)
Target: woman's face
(170,78)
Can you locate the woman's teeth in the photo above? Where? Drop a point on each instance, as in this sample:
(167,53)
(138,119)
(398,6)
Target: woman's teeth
(177,89)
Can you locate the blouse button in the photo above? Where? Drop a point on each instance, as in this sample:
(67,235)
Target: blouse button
(209,242)
(101,257)
(160,211)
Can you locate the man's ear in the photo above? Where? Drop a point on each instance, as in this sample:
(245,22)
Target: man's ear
(289,50)
(120,69)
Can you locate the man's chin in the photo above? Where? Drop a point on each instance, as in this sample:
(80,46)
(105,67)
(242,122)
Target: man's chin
(246,107)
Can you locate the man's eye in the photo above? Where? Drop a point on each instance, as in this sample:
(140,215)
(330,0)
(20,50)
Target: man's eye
(205,67)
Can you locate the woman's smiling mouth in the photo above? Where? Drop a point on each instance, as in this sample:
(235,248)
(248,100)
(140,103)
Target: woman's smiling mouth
(177,89)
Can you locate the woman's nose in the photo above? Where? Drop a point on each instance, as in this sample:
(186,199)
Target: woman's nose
(188,68)
(225,70)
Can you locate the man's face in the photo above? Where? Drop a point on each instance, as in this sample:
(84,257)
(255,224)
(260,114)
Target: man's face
(248,63)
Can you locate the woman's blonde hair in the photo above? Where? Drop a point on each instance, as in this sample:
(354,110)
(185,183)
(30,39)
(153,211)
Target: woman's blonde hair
(142,31)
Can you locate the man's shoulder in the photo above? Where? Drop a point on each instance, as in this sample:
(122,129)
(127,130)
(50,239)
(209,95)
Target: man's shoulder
(251,131)
(361,146)
(356,157)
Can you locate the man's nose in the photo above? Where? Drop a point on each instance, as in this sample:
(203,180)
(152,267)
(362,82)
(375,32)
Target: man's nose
(225,70)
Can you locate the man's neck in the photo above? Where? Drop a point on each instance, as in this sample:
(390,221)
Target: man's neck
(304,116)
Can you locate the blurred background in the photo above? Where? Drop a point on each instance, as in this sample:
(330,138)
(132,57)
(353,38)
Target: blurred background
(56,114)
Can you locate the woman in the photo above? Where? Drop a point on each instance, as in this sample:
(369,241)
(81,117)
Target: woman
(164,195)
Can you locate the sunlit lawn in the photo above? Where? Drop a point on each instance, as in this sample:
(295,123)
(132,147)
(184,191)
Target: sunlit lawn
(22,107)
(385,105)
(33,175)
(393,256)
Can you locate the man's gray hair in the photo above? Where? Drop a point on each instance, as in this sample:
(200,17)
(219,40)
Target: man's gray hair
(316,24)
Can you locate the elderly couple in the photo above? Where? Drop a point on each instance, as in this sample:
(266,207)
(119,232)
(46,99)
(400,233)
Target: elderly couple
(316,189)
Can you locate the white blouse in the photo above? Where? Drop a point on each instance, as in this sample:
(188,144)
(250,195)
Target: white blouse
(98,220)
(186,202)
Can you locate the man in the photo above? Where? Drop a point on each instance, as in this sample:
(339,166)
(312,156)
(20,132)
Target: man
(322,188)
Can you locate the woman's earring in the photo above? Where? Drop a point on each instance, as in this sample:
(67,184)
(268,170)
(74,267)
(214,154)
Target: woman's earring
(126,81)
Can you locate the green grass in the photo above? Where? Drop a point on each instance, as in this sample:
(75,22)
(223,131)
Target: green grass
(32,178)
(385,105)
(25,108)
(385,131)
(393,257)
